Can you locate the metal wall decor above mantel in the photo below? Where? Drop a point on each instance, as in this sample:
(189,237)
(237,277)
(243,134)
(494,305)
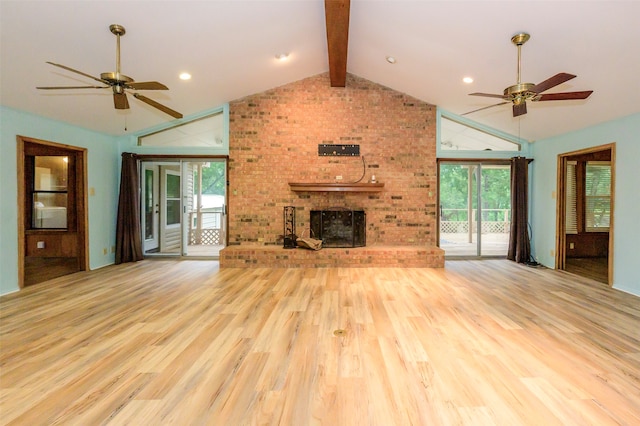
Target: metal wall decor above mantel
(336,187)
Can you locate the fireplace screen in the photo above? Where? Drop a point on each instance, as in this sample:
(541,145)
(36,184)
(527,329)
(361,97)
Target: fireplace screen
(339,228)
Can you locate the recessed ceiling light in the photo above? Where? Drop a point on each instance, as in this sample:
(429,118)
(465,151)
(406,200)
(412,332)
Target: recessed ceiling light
(185,76)
(282,56)
(391,59)
(468,80)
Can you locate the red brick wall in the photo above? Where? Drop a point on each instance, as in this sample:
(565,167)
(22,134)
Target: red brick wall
(274,139)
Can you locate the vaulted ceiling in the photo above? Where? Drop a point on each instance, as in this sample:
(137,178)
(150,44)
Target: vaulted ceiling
(229,47)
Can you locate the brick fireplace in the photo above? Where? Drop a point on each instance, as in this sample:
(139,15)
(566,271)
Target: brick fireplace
(274,139)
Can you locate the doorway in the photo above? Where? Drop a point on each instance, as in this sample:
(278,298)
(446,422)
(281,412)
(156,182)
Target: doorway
(183,205)
(584,243)
(475,208)
(52,213)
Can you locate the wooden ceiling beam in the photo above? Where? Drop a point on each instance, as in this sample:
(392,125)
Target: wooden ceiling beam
(337,21)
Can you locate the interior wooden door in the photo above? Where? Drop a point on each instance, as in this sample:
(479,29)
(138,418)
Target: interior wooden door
(52,214)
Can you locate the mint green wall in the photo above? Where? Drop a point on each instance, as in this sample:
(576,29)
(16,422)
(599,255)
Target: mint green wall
(625,133)
(102,175)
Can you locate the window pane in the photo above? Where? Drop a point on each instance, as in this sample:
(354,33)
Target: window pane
(203,132)
(598,213)
(173,212)
(455,136)
(49,210)
(50,173)
(148,204)
(597,196)
(173,186)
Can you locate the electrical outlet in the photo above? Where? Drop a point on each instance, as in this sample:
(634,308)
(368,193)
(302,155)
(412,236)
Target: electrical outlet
(113,249)
(572,246)
(104,251)
(339,177)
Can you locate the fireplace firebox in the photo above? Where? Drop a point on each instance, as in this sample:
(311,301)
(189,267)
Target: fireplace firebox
(339,227)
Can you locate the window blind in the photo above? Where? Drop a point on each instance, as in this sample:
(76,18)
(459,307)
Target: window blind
(597,196)
(571,213)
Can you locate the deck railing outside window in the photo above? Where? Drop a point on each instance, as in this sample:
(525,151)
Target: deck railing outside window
(205,228)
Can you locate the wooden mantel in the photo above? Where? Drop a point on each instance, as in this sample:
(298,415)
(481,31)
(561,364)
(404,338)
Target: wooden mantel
(336,187)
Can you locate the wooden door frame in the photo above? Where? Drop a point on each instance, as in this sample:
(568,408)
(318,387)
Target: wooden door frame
(561,237)
(81,201)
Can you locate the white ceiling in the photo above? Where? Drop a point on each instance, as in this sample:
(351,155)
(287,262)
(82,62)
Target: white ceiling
(229,48)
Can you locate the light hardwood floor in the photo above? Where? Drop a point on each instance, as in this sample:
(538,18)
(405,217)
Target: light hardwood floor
(182,342)
(596,268)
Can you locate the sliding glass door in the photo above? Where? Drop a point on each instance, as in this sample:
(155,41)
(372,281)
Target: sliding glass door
(475,208)
(205,210)
(183,204)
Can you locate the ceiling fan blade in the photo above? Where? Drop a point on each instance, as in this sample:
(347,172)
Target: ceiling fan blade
(552,82)
(157,105)
(120,101)
(71,87)
(483,108)
(564,96)
(146,85)
(519,109)
(488,95)
(78,72)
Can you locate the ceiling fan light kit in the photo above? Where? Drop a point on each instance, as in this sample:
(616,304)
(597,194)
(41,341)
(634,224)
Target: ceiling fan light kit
(519,93)
(118,82)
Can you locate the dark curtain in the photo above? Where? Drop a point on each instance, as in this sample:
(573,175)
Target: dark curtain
(128,235)
(519,244)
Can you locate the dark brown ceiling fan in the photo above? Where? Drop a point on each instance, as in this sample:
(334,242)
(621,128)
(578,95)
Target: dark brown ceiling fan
(520,93)
(119,83)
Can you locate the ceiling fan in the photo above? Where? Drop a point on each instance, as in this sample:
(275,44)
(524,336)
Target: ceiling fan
(520,93)
(119,83)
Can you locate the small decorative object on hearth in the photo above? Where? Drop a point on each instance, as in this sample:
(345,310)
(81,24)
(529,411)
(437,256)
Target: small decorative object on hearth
(290,236)
(309,242)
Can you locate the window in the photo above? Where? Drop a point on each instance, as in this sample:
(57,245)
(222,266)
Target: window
(456,136)
(205,132)
(597,196)
(149,204)
(50,189)
(172,189)
(588,196)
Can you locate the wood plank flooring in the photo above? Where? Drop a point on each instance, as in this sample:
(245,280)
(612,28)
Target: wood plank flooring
(164,342)
(596,268)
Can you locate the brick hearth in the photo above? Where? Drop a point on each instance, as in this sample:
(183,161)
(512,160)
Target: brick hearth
(246,256)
